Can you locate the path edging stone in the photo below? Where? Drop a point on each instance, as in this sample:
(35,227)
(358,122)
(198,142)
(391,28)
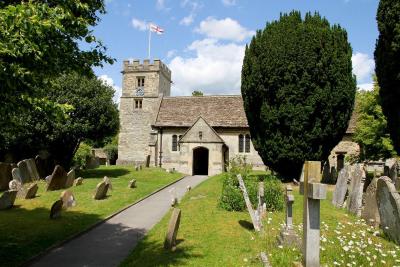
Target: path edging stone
(41,254)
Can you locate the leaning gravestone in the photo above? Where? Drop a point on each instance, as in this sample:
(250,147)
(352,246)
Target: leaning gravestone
(388,200)
(55,211)
(31,191)
(132,183)
(341,187)
(57,179)
(68,199)
(173,226)
(32,169)
(7,199)
(78,181)
(370,212)
(16,175)
(24,172)
(70,179)
(5,175)
(354,204)
(101,190)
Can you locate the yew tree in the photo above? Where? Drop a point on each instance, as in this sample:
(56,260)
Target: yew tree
(387,58)
(298,90)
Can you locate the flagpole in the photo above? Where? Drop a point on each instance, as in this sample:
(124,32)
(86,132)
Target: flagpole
(149,40)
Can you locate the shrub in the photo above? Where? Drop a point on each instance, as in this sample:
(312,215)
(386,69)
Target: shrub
(273,193)
(232,197)
(111,151)
(82,155)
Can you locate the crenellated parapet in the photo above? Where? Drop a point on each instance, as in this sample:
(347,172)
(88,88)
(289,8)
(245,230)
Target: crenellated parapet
(146,65)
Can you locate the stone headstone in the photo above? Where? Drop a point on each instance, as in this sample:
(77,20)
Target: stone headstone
(173,226)
(388,200)
(108,182)
(57,179)
(33,172)
(56,208)
(7,199)
(132,183)
(354,204)
(341,187)
(70,179)
(31,191)
(288,236)
(78,181)
(16,175)
(257,223)
(391,170)
(5,175)
(24,172)
(370,212)
(101,190)
(68,199)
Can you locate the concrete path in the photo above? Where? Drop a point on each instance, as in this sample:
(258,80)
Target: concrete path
(112,241)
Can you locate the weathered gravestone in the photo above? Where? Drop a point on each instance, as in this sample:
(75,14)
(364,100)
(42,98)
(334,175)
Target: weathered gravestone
(68,199)
(31,191)
(256,220)
(57,179)
(33,172)
(78,181)
(370,212)
(173,226)
(7,199)
(16,175)
(101,190)
(70,179)
(132,183)
(354,204)
(56,208)
(388,200)
(339,194)
(24,172)
(313,192)
(5,175)
(391,170)
(19,187)
(288,236)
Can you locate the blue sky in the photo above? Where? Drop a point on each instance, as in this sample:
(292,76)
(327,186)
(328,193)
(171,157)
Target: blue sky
(204,40)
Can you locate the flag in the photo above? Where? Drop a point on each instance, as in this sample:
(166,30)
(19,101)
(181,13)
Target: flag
(156,29)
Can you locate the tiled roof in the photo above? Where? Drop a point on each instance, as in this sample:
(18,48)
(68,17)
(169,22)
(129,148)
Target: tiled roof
(218,111)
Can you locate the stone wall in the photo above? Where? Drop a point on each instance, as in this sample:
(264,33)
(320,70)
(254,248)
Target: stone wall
(346,147)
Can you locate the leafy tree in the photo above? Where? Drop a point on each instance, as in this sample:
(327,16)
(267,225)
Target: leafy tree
(387,55)
(92,116)
(197,93)
(39,41)
(371,129)
(298,90)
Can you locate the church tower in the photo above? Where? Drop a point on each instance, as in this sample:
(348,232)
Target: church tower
(143,87)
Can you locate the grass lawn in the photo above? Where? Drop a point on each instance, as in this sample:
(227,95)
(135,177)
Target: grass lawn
(27,230)
(210,236)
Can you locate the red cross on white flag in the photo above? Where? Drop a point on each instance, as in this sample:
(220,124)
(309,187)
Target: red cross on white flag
(156,29)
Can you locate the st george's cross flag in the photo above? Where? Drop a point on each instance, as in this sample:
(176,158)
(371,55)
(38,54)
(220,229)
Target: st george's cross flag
(156,29)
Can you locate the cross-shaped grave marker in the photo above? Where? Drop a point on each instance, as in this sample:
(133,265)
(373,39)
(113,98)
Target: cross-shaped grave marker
(313,192)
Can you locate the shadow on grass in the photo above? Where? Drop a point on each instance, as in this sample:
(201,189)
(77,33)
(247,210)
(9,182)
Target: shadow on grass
(25,233)
(100,173)
(152,253)
(246,225)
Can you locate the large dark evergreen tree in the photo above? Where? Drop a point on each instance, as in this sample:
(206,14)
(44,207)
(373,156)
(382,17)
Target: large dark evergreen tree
(298,90)
(387,58)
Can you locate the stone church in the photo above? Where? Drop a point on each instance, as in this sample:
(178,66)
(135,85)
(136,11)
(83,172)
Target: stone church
(191,134)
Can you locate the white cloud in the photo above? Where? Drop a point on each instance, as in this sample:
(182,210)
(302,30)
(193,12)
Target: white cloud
(225,29)
(110,82)
(171,53)
(160,5)
(140,25)
(366,86)
(188,20)
(363,66)
(229,2)
(215,68)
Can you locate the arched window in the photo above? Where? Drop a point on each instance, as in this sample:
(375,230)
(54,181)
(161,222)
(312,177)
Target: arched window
(247,143)
(174,142)
(241,143)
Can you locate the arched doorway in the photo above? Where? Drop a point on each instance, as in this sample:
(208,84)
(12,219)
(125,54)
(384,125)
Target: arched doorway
(200,161)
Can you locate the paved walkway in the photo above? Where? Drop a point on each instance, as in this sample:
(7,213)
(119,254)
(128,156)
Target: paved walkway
(112,241)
